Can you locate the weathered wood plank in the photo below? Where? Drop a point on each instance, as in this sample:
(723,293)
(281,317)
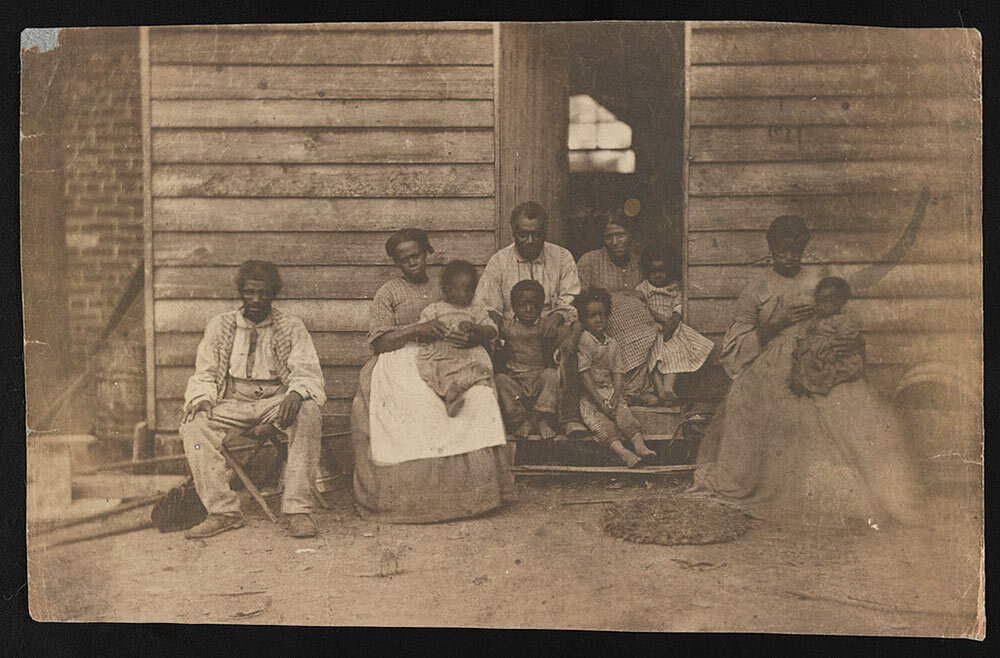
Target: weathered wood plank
(867,212)
(732,144)
(833,111)
(772,178)
(299,281)
(336,414)
(292,214)
(337,82)
(907,280)
(322,114)
(958,78)
(749,247)
(466,180)
(175,315)
(333,348)
(341,381)
(944,315)
(224,46)
(323,146)
(342,26)
(823,43)
(307,248)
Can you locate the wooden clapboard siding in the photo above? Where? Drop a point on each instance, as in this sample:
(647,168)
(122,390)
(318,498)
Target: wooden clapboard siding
(835,111)
(863,212)
(749,247)
(224,46)
(340,82)
(895,78)
(308,146)
(305,248)
(821,44)
(324,146)
(305,180)
(335,348)
(347,214)
(827,177)
(843,126)
(323,113)
(298,281)
(776,142)
(178,315)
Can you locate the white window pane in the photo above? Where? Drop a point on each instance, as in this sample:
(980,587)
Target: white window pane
(582,109)
(604,115)
(616,135)
(616,162)
(582,136)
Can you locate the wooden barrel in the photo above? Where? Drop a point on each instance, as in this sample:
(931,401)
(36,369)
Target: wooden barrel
(121,391)
(942,408)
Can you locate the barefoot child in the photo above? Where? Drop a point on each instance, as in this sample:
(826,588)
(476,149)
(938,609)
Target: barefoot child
(451,370)
(816,367)
(529,389)
(602,406)
(678,348)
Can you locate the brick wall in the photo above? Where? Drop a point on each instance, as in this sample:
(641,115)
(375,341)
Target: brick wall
(101,130)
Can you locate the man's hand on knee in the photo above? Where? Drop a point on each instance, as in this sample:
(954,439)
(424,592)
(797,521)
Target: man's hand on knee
(289,409)
(202,407)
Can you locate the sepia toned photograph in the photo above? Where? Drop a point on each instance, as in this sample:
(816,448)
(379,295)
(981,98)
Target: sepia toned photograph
(622,325)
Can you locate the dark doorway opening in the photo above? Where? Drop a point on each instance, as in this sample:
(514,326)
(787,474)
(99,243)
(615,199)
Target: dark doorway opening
(634,73)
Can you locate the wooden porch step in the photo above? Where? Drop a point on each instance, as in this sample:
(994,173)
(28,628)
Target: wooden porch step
(538,469)
(560,438)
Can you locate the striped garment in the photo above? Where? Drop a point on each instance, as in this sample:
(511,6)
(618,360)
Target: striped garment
(686,350)
(398,303)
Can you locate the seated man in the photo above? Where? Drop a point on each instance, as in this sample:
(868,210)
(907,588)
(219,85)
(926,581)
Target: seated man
(255,365)
(531,257)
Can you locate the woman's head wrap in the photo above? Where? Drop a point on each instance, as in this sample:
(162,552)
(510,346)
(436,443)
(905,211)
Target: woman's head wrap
(408,235)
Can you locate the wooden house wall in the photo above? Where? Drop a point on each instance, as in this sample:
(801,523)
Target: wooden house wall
(307,146)
(844,126)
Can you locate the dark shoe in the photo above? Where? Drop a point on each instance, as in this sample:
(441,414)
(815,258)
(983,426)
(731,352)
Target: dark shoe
(301,525)
(213,525)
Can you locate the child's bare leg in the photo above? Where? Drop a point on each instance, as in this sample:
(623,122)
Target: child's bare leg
(527,427)
(454,400)
(628,457)
(545,427)
(639,443)
(666,389)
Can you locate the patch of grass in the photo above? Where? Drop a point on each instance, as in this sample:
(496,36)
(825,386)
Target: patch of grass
(674,519)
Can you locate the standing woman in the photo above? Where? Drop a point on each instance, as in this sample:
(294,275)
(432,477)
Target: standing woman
(830,459)
(412,462)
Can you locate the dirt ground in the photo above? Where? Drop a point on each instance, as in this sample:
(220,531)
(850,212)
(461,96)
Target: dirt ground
(538,563)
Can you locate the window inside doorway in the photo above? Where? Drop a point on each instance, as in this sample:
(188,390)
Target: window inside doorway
(598,140)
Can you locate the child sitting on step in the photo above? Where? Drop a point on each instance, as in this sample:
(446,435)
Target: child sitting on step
(601,369)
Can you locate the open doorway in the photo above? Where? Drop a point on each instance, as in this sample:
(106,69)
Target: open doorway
(626,127)
(591,118)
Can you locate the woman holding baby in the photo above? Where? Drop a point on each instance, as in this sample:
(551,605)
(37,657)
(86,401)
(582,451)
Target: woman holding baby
(421,456)
(801,437)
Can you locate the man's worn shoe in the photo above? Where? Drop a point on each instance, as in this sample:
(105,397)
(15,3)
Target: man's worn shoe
(213,525)
(301,525)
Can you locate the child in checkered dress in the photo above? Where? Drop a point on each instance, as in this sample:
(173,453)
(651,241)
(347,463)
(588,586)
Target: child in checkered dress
(601,369)
(678,348)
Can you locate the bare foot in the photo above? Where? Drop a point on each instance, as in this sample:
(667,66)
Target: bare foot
(628,457)
(523,430)
(545,430)
(640,446)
